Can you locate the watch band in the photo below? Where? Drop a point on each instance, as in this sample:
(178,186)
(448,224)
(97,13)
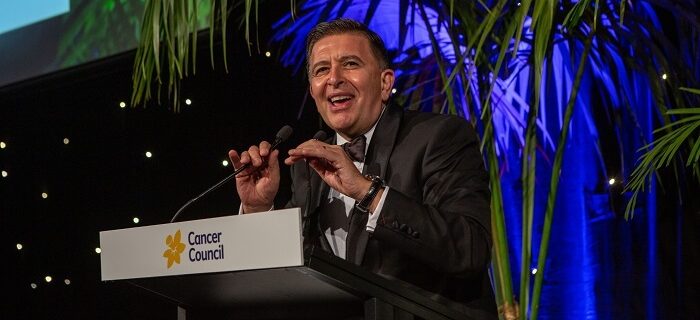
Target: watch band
(377,184)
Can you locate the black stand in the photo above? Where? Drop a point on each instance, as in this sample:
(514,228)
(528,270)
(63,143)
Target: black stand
(326,287)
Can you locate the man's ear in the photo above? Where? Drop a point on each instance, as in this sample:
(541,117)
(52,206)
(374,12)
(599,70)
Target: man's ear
(387,83)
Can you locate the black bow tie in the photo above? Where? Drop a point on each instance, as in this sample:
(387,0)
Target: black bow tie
(355,149)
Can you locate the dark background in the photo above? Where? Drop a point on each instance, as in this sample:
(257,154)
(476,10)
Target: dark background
(102,179)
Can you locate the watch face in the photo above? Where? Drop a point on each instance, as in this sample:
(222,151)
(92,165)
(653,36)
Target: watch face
(375,179)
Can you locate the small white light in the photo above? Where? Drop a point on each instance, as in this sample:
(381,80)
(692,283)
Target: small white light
(67,281)
(136,220)
(534,271)
(518,4)
(98,250)
(33,285)
(4,173)
(19,246)
(393,90)
(664,76)
(48,278)
(122,104)
(44,195)
(224,163)
(3,145)
(268,54)
(148,154)
(611,181)
(66,141)
(188,102)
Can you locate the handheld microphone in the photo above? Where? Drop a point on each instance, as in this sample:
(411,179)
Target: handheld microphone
(281,136)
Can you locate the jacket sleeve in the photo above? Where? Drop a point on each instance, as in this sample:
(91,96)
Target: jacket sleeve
(444,221)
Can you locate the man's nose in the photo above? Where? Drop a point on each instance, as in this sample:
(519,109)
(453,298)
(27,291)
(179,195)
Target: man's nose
(335,76)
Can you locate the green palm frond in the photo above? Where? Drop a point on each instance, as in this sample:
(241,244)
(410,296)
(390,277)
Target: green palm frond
(169,39)
(661,153)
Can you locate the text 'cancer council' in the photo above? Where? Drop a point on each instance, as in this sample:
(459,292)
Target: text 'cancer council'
(205,246)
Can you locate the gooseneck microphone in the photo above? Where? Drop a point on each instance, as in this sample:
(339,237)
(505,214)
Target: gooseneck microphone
(281,136)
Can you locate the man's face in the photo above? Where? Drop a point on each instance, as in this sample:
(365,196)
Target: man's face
(347,83)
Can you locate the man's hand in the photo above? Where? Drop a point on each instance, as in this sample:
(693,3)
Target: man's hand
(258,184)
(334,167)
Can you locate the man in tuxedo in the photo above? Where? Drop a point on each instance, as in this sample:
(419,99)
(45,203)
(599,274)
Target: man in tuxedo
(403,194)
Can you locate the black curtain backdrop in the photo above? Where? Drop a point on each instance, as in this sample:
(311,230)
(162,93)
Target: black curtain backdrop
(102,179)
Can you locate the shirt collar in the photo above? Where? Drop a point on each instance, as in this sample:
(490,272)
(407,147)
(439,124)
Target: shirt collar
(368,135)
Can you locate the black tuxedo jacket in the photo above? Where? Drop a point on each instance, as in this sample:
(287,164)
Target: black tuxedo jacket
(434,227)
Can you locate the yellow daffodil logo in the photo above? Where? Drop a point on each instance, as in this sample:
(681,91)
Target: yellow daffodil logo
(175,248)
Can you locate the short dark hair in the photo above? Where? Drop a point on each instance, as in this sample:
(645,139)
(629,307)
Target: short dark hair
(344,25)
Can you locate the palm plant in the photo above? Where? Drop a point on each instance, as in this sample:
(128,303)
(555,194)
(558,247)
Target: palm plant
(171,40)
(668,150)
(515,70)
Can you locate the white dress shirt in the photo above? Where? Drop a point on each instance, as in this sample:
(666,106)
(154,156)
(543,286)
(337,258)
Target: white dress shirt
(337,237)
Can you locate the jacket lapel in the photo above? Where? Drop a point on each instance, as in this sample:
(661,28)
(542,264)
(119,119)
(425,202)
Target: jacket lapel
(376,162)
(383,141)
(320,191)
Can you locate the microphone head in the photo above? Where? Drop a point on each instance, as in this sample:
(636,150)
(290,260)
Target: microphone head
(320,135)
(284,134)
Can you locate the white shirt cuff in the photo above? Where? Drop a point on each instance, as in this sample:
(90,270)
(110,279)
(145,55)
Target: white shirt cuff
(372,220)
(240,209)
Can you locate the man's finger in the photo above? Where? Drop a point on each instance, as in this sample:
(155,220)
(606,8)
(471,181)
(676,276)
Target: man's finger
(290,160)
(235,158)
(265,148)
(324,152)
(254,153)
(245,157)
(239,161)
(273,163)
(233,155)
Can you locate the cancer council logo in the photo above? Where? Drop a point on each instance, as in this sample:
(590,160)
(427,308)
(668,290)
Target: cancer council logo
(175,248)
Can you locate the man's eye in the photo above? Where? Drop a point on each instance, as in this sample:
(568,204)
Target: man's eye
(320,70)
(351,63)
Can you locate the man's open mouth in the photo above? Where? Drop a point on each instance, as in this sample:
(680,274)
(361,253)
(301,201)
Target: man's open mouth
(339,99)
